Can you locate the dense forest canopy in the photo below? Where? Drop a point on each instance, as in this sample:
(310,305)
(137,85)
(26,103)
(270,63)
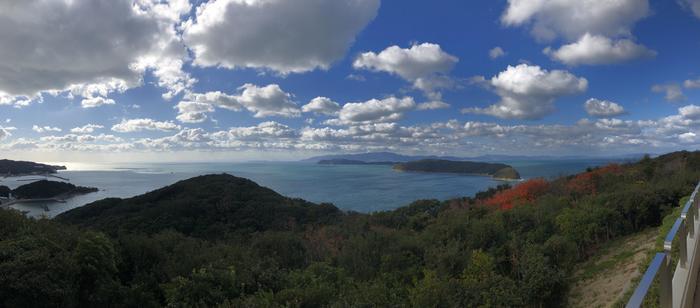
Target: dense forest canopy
(222,240)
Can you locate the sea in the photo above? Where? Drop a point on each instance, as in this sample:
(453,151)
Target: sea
(360,188)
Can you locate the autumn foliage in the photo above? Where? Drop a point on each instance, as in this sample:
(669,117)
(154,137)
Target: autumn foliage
(526,192)
(587,182)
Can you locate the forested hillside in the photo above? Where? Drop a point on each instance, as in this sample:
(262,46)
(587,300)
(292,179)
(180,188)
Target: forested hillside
(222,240)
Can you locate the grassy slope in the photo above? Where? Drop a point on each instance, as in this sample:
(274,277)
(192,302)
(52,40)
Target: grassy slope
(609,278)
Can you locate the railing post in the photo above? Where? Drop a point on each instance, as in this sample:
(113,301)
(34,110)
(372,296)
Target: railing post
(683,248)
(690,221)
(666,283)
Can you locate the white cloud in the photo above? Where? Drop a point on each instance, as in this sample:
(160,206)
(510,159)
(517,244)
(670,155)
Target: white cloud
(5,132)
(689,137)
(425,65)
(693,5)
(94,102)
(193,112)
(597,50)
(389,109)
(267,101)
(86,129)
(572,19)
(529,92)
(690,112)
(45,129)
(322,105)
(604,136)
(496,52)
(432,105)
(411,64)
(602,108)
(673,92)
(137,125)
(598,31)
(692,84)
(284,36)
(102,44)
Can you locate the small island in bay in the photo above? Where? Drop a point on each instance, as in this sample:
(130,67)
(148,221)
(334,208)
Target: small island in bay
(341,161)
(18,168)
(494,170)
(45,189)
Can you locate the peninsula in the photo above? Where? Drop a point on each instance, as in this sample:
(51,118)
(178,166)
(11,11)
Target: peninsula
(18,168)
(340,161)
(494,170)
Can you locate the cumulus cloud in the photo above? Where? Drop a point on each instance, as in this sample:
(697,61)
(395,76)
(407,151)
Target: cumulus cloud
(603,109)
(432,105)
(374,111)
(138,125)
(572,19)
(672,92)
(692,84)
(496,52)
(193,112)
(689,137)
(690,112)
(598,31)
(86,129)
(267,101)
(284,36)
(597,49)
(321,105)
(55,46)
(45,129)
(94,102)
(529,92)
(425,65)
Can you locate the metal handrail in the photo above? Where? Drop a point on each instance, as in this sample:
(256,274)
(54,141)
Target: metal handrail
(676,287)
(658,266)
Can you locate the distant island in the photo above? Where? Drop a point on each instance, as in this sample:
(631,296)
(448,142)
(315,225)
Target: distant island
(17,168)
(341,161)
(495,170)
(50,189)
(400,158)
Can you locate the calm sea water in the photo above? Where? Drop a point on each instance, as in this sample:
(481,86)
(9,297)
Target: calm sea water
(357,188)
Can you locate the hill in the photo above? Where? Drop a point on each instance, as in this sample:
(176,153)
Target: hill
(495,170)
(5,191)
(219,240)
(372,157)
(49,189)
(399,158)
(210,206)
(13,168)
(340,161)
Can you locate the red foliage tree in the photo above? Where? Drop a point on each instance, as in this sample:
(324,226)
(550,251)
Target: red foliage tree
(587,182)
(525,192)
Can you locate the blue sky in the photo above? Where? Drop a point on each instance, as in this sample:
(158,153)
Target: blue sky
(273,79)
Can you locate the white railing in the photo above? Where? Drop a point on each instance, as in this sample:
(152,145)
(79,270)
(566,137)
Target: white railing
(677,287)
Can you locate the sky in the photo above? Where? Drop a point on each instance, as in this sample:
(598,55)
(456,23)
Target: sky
(228,80)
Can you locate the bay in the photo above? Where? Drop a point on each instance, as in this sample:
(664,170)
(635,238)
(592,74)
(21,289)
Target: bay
(362,188)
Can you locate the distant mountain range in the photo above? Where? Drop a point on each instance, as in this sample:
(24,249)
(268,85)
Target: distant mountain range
(374,157)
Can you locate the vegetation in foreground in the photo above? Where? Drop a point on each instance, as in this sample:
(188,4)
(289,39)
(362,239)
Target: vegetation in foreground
(224,241)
